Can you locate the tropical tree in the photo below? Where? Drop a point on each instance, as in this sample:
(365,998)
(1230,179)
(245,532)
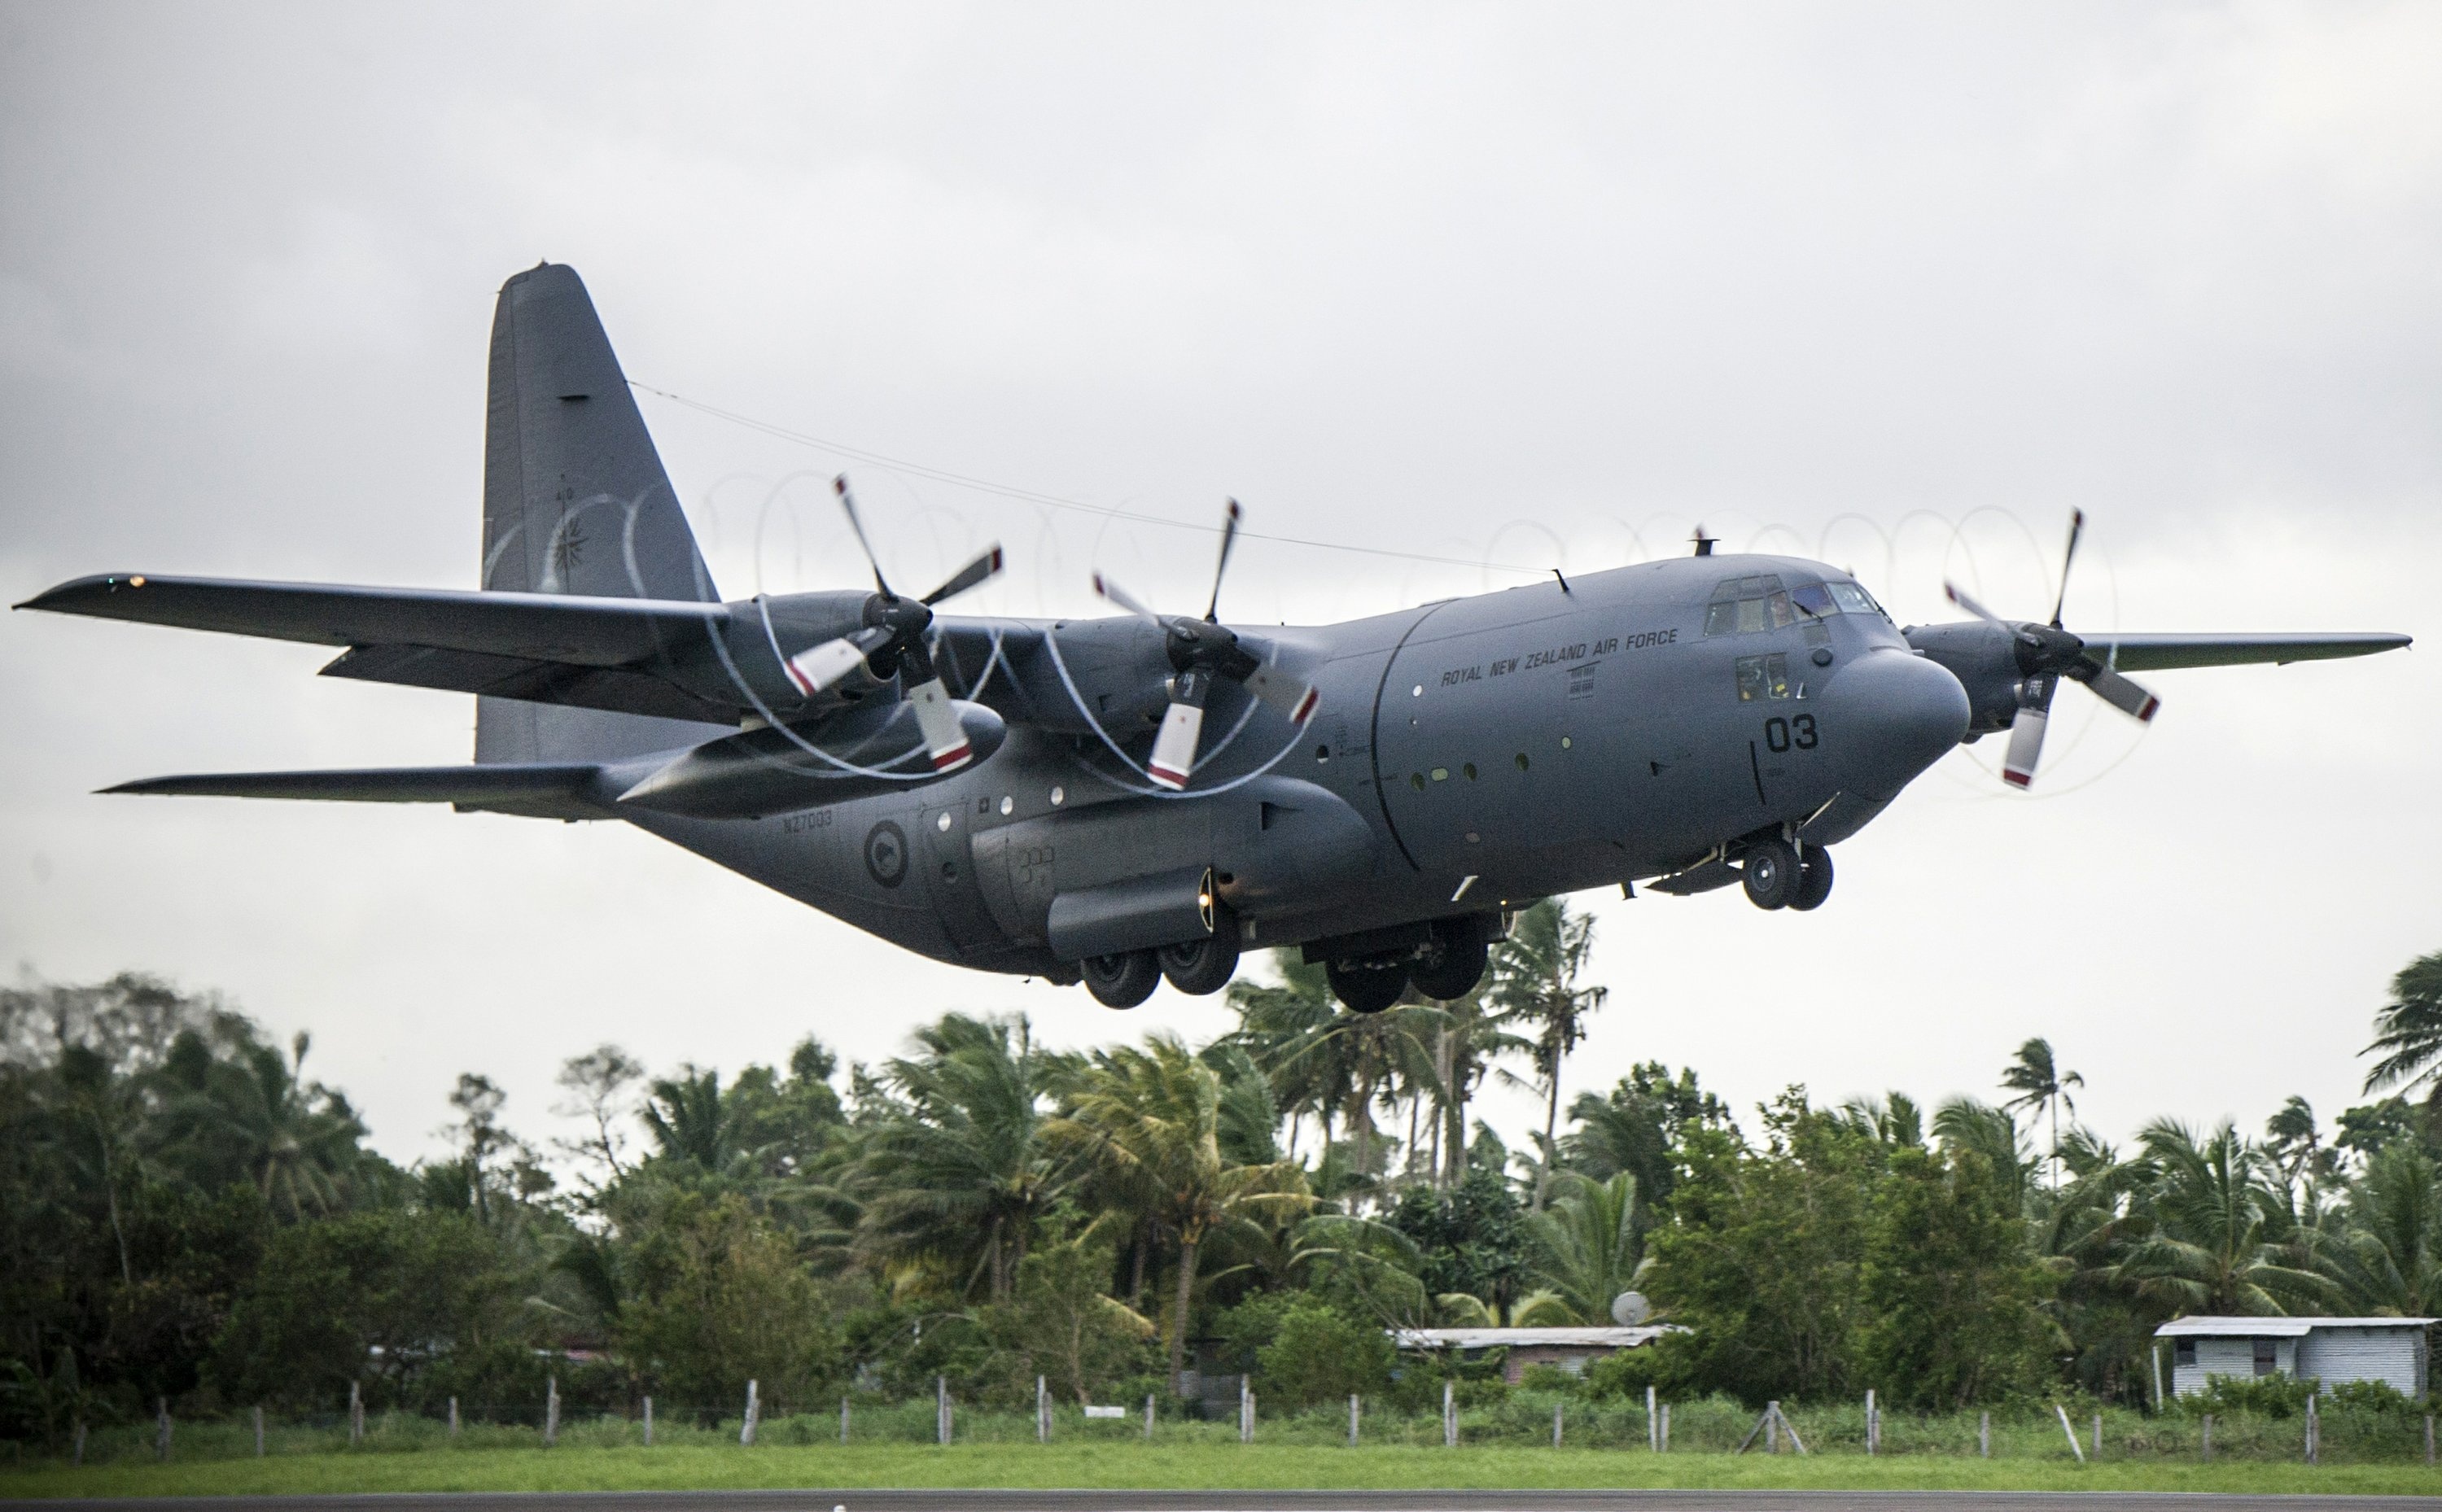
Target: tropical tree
(1536,984)
(2408,1030)
(1154,1117)
(2218,1242)
(960,1173)
(2042,1088)
(2389,1258)
(1338,1063)
(1592,1242)
(294,1139)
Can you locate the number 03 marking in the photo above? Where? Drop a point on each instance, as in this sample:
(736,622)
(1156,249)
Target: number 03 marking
(1780,734)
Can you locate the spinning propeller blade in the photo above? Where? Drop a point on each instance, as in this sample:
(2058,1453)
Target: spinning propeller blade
(893,643)
(2046,654)
(1199,651)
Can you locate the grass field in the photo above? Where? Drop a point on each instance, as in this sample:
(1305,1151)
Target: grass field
(1185,1467)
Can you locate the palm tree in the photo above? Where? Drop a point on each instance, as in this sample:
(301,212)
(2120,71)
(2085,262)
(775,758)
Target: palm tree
(2389,1259)
(961,1172)
(1592,1242)
(298,1138)
(1534,976)
(2217,1223)
(1963,1123)
(2408,1030)
(691,1120)
(1338,1063)
(2042,1088)
(1153,1118)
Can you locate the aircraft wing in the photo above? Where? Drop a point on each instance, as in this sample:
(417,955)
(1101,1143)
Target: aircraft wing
(2143,652)
(556,628)
(545,790)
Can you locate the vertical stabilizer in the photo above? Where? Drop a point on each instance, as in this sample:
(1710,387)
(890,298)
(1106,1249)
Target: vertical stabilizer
(575,502)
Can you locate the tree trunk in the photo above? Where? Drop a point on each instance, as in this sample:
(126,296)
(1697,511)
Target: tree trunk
(1178,1323)
(1551,1132)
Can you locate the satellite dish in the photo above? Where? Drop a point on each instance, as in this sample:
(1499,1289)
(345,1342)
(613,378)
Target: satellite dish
(1629,1308)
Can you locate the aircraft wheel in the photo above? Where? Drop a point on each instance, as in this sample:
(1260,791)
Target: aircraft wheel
(1814,879)
(1366,989)
(1449,971)
(1770,873)
(1123,980)
(1204,966)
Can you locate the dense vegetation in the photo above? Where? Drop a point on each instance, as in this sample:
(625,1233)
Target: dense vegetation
(190,1214)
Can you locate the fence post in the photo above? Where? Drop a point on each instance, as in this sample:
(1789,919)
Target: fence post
(2428,1438)
(1984,1435)
(1869,1420)
(453,1419)
(2207,1438)
(843,1422)
(648,1418)
(941,1409)
(2098,1435)
(1772,1428)
(1652,1424)
(76,1449)
(1041,1412)
(1556,1424)
(1449,1414)
(746,1428)
(1665,1428)
(2075,1447)
(551,1410)
(356,1414)
(161,1430)
(2312,1434)
(258,1430)
(1352,1423)
(1245,1411)
(1148,1417)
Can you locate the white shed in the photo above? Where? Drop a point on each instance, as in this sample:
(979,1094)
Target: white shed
(2330,1349)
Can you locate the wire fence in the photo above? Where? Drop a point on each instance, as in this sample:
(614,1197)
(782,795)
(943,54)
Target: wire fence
(1715,1425)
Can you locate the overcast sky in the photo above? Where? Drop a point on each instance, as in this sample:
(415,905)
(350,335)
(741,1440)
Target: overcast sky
(1897,286)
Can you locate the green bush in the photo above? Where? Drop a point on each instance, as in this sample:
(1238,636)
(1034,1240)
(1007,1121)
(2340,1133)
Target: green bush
(2371,1396)
(1318,1353)
(2263,1396)
(1623,1376)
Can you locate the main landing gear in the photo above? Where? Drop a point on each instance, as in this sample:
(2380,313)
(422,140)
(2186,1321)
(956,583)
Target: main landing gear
(1199,968)
(1446,966)
(1777,875)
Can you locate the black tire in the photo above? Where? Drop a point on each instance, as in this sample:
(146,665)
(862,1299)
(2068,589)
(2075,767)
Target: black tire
(1365,987)
(1770,872)
(1203,967)
(1449,971)
(1123,980)
(1813,880)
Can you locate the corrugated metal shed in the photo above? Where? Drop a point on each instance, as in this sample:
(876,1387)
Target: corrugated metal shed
(1494,1338)
(2330,1349)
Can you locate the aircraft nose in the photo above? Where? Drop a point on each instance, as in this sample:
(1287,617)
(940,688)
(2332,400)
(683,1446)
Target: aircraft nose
(1887,716)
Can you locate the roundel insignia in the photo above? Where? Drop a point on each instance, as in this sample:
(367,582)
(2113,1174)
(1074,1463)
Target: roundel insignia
(885,853)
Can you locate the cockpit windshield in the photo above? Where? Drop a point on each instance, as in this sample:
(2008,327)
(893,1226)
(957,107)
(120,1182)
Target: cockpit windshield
(1742,605)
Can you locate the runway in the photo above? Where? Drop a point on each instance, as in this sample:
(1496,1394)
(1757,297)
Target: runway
(872,1501)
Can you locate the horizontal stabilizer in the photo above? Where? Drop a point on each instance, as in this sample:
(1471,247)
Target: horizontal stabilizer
(560,627)
(540,790)
(2156,652)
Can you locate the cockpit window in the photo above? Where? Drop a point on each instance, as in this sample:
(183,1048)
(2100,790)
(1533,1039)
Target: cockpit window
(1855,600)
(1812,599)
(1744,605)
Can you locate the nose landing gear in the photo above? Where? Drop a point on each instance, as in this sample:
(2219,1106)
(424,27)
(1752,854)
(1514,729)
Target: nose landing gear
(1777,876)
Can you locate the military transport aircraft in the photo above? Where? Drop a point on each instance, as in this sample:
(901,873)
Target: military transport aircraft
(1125,799)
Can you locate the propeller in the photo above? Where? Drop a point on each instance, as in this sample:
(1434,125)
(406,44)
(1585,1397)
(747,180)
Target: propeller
(2044,654)
(892,643)
(1199,651)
